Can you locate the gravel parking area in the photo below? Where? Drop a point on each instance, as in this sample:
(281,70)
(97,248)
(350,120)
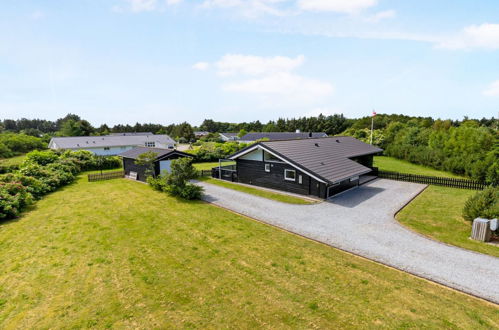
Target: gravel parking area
(362,221)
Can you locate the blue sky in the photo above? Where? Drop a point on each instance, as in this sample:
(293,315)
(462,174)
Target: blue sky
(164,61)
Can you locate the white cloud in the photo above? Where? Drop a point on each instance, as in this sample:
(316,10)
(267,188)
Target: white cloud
(492,90)
(142,5)
(339,6)
(173,2)
(249,8)
(232,64)
(474,36)
(271,79)
(283,84)
(381,16)
(202,66)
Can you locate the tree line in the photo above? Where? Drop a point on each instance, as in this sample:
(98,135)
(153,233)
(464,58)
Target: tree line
(467,147)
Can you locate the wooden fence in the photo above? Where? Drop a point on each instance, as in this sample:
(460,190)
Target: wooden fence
(433,180)
(105,176)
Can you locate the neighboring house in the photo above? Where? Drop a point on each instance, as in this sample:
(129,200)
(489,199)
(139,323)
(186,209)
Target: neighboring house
(111,145)
(229,136)
(161,163)
(131,134)
(320,167)
(200,134)
(274,136)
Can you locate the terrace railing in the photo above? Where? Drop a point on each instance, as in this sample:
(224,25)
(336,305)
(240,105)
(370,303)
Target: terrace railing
(106,176)
(229,173)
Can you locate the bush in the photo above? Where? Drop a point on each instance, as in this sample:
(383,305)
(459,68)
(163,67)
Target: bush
(484,204)
(41,157)
(21,143)
(13,199)
(176,183)
(158,183)
(8,168)
(191,191)
(34,186)
(5,152)
(211,151)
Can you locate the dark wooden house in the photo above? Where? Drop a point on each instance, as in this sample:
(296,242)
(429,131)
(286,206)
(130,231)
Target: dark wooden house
(320,167)
(162,161)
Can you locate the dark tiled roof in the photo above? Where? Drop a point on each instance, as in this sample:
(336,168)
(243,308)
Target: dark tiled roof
(136,152)
(272,136)
(327,158)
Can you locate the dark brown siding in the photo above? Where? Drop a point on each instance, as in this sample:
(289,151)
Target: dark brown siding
(253,172)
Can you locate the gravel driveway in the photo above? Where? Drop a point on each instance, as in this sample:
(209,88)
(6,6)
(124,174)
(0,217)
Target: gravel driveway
(361,221)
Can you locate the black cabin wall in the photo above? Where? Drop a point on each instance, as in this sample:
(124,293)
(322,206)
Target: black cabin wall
(253,172)
(130,166)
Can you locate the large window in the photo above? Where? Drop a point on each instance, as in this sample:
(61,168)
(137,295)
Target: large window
(290,175)
(268,157)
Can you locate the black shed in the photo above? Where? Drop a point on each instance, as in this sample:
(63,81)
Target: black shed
(161,163)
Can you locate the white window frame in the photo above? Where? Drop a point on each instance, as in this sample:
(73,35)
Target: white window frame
(150,144)
(267,168)
(289,171)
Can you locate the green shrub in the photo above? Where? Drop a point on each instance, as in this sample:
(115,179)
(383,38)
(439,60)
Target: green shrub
(8,168)
(484,204)
(41,157)
(158,183)
(176,183)
(34,186)
(190,191)
(13,199)
(21,143)
(5,152)
(211,151)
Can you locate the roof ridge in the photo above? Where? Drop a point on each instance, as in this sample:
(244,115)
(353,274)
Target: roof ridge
(311,138)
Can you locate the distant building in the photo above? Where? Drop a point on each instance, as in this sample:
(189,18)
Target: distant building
(200,134)
(131,134)
(111,145)
(229,136)
(275,136)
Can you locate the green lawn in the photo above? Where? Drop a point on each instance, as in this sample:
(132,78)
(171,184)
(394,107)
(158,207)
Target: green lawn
(437,214)
(118,254)
(13,160)
(396,165)
(209,166)
(259,192)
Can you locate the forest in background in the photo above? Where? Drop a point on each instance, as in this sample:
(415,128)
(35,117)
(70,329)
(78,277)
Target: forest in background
(468,147)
